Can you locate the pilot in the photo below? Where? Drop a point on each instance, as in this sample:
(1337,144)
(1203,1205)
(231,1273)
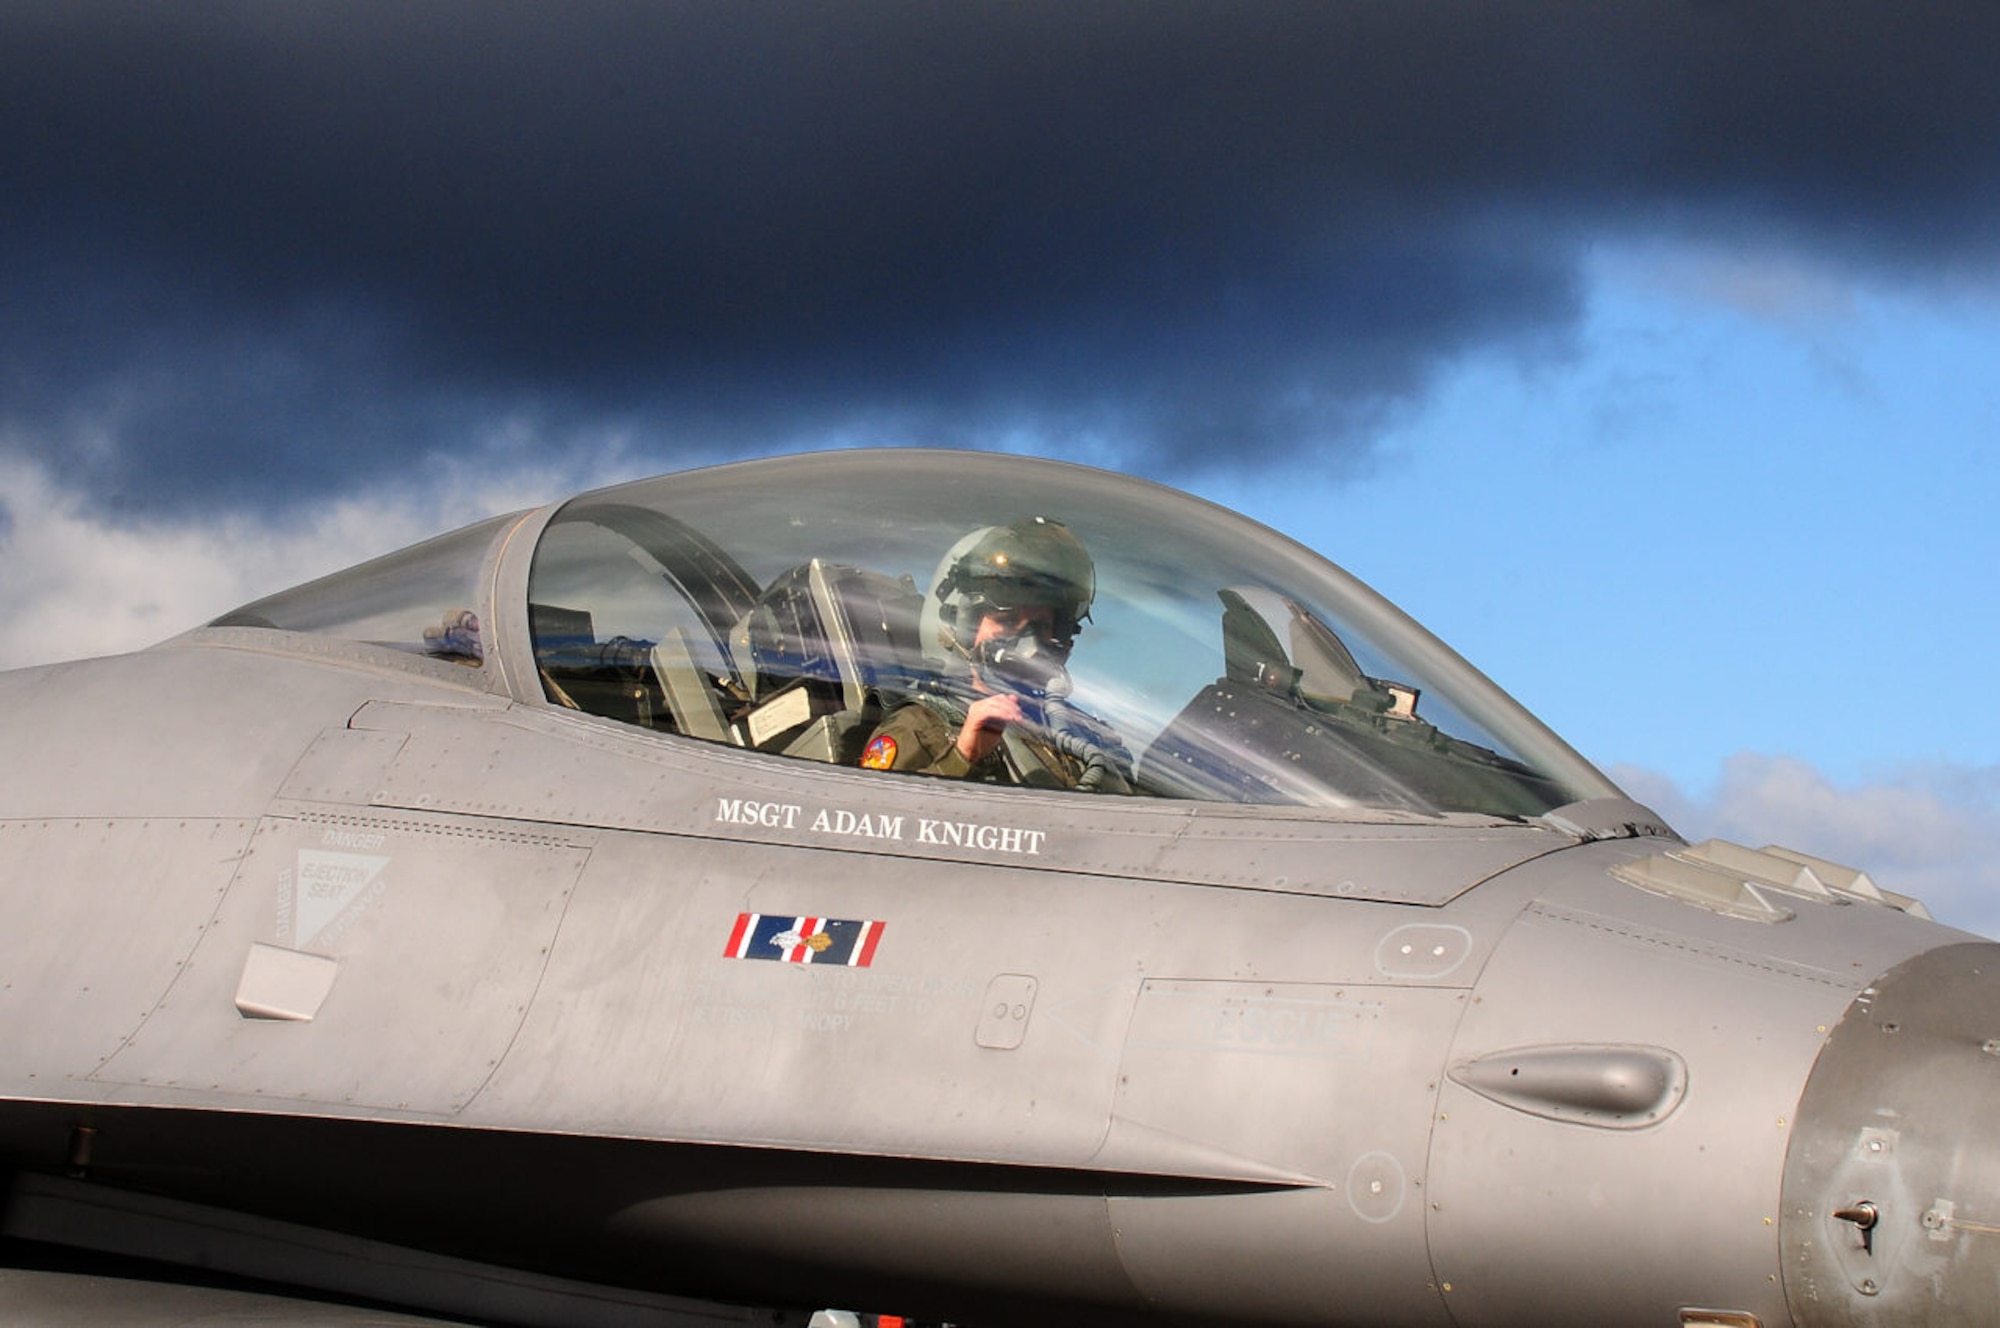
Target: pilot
(1009,603)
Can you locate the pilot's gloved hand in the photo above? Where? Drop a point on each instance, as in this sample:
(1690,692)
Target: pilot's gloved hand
(985,721)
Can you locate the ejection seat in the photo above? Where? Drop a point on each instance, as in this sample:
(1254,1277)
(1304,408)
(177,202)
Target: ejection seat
(822,644)
(602,562)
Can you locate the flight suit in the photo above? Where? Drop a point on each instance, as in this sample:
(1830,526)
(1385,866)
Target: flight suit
(921,737)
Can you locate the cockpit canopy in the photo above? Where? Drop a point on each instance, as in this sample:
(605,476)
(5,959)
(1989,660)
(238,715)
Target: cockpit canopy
(785,606)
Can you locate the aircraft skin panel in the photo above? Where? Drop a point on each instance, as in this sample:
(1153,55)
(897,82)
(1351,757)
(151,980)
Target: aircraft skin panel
(436,931)
(175,731)
(881,1056)
(100,916)
(556,767)
(1354,1058)
(341,767)
(1683,979)
(1242,1066)
(1179,1104)
(644,1021)
(1266,1257)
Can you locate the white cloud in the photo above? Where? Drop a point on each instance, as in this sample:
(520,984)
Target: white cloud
(1767,282)
(1930,831)
(75,582)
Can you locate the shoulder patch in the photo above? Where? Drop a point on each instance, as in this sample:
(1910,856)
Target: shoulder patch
(881,753)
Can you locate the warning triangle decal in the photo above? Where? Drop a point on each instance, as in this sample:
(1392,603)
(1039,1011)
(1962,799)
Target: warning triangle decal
(326,884)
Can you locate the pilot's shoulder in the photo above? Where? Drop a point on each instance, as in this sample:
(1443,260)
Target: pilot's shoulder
(912,736)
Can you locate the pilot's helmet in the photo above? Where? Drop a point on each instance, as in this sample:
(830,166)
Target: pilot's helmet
(1032,562)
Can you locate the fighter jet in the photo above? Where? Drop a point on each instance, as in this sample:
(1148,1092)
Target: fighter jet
(984,889)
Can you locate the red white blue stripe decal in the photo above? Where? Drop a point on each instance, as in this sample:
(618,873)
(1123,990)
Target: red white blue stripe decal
(804,940)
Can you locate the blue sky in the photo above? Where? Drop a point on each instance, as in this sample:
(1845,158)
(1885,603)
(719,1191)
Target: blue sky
(1715,522)
(1643,351)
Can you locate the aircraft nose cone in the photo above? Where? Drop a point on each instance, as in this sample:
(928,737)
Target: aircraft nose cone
(1892,1183)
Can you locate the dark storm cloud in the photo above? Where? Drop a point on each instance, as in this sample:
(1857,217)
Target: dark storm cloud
(247,247)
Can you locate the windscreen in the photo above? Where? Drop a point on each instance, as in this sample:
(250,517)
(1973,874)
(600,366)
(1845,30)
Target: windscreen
(797,606)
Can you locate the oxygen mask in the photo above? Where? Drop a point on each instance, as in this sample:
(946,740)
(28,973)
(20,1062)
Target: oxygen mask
(1023,663)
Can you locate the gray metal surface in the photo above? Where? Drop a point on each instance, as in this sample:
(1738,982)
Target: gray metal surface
(1899,1134)
(343,947)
